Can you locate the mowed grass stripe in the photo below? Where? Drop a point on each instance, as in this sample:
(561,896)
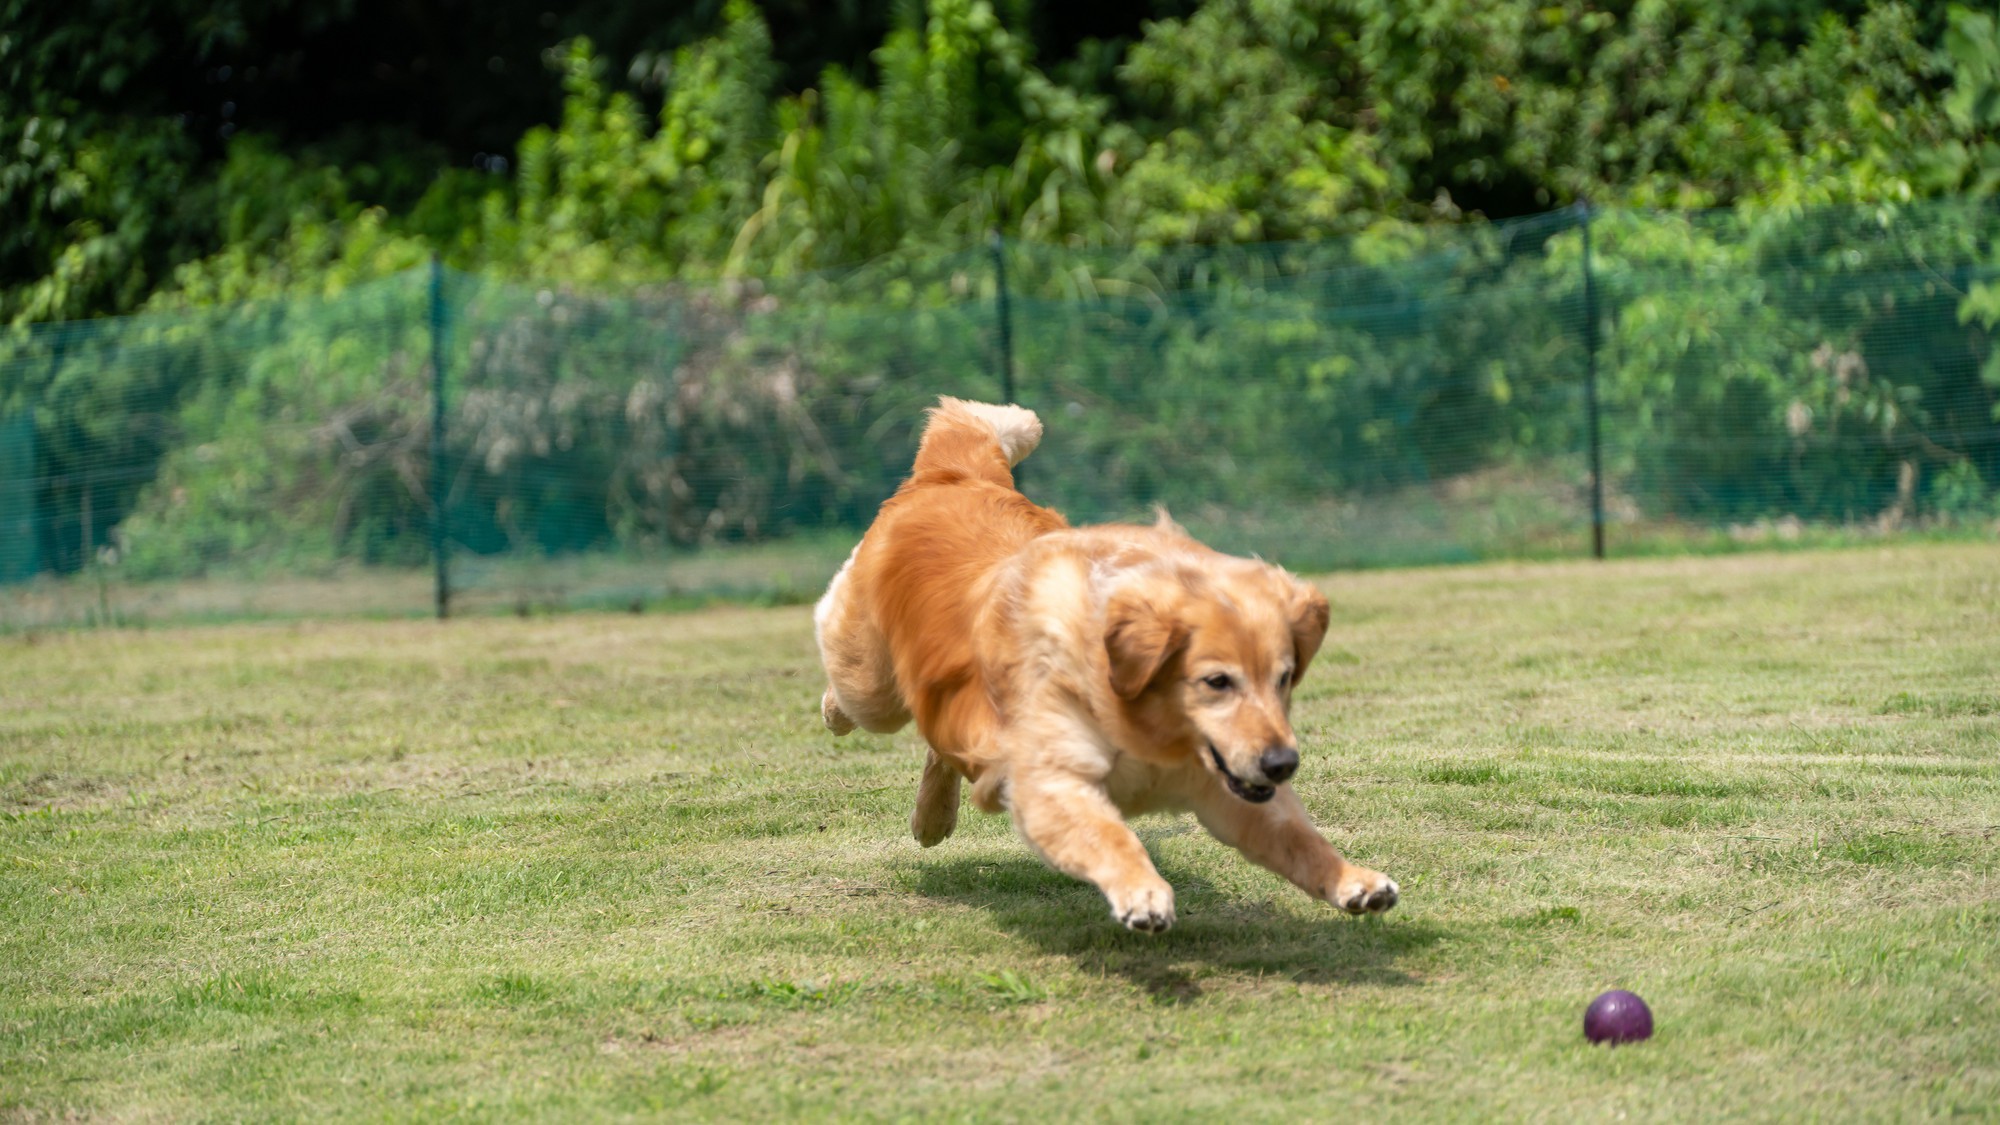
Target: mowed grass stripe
(611,866)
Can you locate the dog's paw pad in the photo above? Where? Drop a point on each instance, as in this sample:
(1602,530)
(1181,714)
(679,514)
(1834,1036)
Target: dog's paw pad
(1150,911)
(1367,892)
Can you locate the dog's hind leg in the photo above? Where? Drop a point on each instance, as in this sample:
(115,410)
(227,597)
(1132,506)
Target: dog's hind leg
(936,813)
(830,713)
(861,679)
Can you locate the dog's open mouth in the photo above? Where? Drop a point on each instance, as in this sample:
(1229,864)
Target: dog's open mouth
(1255,794)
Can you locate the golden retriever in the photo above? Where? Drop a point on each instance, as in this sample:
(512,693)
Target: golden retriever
(1077,676)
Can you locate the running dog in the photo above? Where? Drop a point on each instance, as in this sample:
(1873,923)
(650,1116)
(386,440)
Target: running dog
(1078,675)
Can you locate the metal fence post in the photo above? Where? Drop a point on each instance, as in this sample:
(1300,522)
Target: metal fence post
(1590,391)
(999,246)
(439,557)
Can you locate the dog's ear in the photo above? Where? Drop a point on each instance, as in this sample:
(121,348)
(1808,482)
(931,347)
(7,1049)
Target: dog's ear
(1309,614)
(1141,633)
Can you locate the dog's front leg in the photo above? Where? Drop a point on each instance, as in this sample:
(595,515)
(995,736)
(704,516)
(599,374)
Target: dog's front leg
(1070,819)
(1280,836)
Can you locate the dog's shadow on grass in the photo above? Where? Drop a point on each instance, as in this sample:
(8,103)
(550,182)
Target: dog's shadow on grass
(1218,934)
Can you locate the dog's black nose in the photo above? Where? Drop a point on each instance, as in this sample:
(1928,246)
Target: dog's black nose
(1279,763)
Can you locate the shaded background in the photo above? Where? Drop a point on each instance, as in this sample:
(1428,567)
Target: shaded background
(697,270)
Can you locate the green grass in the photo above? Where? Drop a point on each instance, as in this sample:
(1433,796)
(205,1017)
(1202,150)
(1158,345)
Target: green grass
(609,865)
(788,571)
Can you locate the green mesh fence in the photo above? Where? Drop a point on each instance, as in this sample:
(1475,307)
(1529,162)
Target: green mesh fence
(19,557)
(1414,395)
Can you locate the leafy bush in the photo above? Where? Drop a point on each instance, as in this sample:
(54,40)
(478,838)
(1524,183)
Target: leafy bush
(1821,348)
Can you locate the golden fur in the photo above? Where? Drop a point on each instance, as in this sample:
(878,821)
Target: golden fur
(1078,675)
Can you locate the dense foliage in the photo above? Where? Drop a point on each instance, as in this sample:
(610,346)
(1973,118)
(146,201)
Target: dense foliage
(150,149)
(1815,347)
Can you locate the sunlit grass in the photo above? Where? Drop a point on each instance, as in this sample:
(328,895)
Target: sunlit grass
(610,865)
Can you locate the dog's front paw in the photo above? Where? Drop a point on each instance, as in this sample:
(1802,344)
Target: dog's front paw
(1148,908)
(829,711)
(1361,891)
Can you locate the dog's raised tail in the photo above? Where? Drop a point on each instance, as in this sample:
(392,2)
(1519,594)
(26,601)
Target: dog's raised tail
(977,439)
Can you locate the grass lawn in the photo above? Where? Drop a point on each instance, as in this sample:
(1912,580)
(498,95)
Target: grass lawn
(610,865)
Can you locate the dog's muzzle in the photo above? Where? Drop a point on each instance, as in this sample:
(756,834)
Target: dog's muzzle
(1254,793)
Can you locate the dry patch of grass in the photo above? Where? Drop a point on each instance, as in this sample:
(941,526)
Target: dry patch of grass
(610,865)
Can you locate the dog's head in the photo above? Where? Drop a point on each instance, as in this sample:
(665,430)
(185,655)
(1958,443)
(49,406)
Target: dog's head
(1206,661)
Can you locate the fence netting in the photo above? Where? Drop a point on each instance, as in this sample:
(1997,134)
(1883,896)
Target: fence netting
(1411,395)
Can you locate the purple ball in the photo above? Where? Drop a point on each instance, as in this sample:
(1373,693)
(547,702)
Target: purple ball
(1617,1017)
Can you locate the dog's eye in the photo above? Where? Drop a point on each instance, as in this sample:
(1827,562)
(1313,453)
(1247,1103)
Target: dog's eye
(1284,679)
(1219,682)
